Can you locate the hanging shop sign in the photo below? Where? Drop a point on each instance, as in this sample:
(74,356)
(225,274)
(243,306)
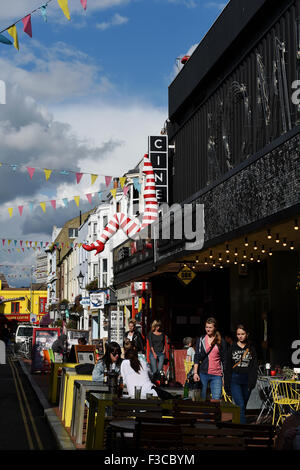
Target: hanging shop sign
(97,299)
(158,155)
(116,327)
(186,275)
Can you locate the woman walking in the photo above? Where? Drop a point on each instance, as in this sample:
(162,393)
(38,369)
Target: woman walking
(241,373)
(157,345)
(134,336)
(210,360)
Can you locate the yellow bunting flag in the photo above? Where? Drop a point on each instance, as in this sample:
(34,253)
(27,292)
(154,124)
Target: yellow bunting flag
(93,178)
(14,34)
(65,8)
(77,198)
(43,206)
(122,181)
(114,192)
(47,173)
(10,211)
(9,242)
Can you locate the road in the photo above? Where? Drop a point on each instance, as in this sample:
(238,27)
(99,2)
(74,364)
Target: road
(23,425)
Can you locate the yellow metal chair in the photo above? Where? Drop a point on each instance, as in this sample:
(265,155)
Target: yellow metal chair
(286,397)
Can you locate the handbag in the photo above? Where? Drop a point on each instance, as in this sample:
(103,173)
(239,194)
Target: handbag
(190,375)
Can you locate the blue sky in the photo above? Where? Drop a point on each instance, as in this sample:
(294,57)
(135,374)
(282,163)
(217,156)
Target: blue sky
(84,95)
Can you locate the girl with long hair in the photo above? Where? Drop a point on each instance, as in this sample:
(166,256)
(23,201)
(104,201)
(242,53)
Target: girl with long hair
(241,373)
(111,361)
(135,372)
(157,344)
(210,360)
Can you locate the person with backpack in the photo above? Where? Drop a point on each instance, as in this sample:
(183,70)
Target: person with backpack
(241,373)
(210,360)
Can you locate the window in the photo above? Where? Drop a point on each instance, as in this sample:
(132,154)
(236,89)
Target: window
(105,220)
(95,226)
(15,307)
(95,270)
(73,232)
(104,272)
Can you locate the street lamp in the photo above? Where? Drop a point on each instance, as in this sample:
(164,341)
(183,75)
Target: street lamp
(80,279)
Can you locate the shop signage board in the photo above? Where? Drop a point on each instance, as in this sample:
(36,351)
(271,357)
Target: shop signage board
(85,301)
(186,275)
(158,155)
(97,300)
(116,327)
(43,338)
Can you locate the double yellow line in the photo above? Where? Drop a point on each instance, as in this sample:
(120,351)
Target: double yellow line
(23,400)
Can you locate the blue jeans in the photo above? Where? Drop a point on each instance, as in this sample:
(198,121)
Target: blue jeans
(215,385)
(153,362)
(240,392)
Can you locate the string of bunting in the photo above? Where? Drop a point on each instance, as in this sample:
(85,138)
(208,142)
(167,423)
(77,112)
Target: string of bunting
(25,245)
(27,25)
(48,172)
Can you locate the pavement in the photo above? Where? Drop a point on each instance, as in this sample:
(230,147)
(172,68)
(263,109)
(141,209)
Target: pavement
(40,385)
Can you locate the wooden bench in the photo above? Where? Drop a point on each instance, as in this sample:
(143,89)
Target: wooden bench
(212,439)
(257,436)
(204,412)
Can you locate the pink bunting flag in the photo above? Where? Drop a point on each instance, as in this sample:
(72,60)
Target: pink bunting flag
(84,3)
(78,177)
(27,25)
(53,204)
(30,171)
(23,250)
(125,190)
(21,241)
(108,180)
(21,209)
(89,197)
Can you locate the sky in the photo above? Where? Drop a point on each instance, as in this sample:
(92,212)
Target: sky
(82,95)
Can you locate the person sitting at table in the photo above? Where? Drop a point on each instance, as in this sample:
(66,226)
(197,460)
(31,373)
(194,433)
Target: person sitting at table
(135,372)
(111,361)
(241,371)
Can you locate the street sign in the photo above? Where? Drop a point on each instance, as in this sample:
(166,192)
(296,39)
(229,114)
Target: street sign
(97,300)
(85,301)
(186,275)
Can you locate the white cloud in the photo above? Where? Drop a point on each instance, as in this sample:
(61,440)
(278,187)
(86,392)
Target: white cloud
(116,20)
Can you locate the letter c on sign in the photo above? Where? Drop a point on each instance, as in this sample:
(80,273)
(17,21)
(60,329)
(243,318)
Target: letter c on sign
(156,143)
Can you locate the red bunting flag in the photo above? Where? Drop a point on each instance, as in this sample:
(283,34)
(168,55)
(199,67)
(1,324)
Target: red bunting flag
(30,171)
(89,197)
(27,25)
(78,177)
(53,204)
(21,209)
(108,180)
(3,241)
(84,3)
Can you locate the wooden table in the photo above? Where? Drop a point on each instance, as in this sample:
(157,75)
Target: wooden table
(81,389)
(55,366)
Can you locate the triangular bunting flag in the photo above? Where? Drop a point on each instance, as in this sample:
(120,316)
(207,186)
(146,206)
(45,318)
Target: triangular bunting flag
(30,206)
(114,192)
(100,195)
(4,40)
(10,211)
(27,25)
(77,198)
(78,177)
(65,8)
(84,3)
(53,203)
(21,209)
(125,190)
(122,181)
(30,171)
(93,178)
(65,201)
(9,242)
(21,241)
(43,206)
(3,241)
(44,12)
(89,198)
(108,180)
(12,31)
(47,173)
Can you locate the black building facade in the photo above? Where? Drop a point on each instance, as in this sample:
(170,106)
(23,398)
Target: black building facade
(234,123)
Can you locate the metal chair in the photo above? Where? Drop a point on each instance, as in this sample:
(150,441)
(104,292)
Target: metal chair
(265,394)
(286,397)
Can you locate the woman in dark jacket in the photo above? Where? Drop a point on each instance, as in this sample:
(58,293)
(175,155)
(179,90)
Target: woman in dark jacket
(241,372)
(134,336)
(210,360)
